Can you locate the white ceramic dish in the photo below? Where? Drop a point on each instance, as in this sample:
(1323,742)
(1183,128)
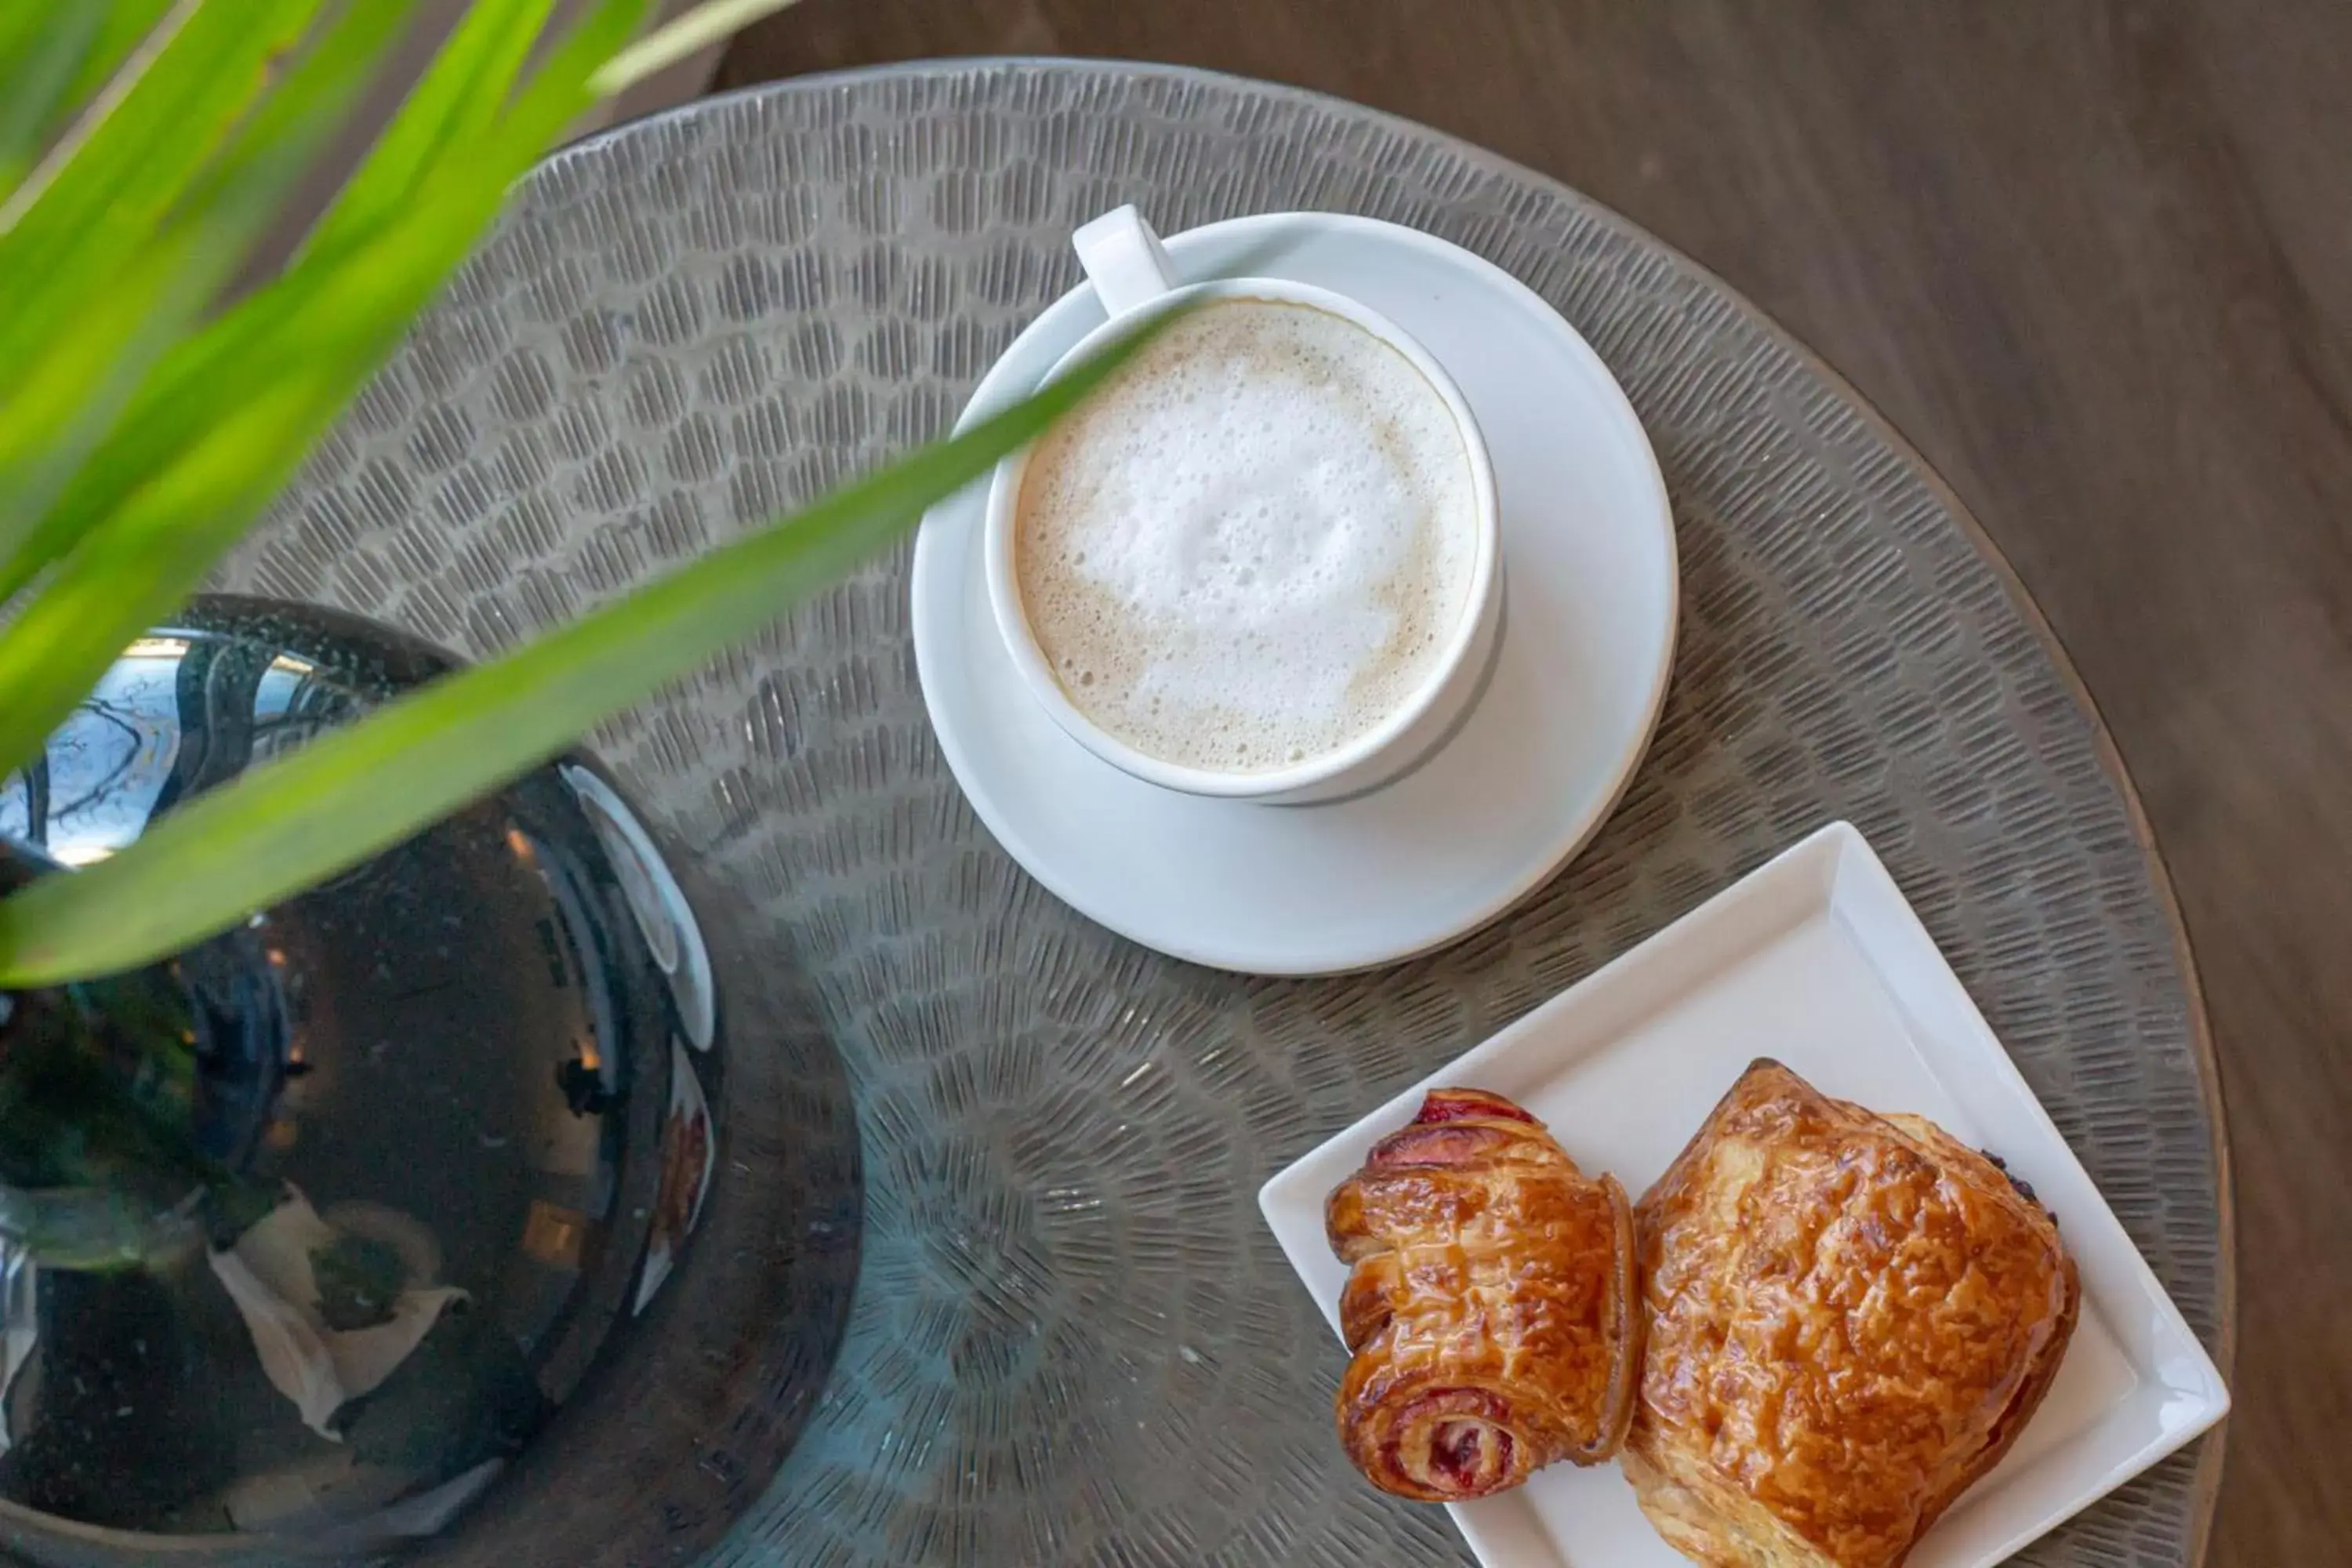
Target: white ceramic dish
(1814,959)
(1590,605)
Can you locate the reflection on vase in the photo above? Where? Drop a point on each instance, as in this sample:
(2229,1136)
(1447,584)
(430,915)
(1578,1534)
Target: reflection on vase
(414,1150)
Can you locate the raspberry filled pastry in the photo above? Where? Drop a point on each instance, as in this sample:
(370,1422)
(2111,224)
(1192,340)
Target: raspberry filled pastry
(1490,1305)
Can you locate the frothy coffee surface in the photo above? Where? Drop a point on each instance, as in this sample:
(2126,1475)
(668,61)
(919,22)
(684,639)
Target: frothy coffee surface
(1253,546)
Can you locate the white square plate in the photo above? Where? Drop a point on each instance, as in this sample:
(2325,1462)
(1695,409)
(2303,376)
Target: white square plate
(1814,959)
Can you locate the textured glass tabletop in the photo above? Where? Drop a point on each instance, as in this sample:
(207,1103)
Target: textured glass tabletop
(1073,1340)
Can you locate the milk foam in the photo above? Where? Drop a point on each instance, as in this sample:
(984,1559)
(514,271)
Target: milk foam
(1253,547)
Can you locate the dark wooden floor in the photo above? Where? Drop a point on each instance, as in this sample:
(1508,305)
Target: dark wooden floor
(2095,259)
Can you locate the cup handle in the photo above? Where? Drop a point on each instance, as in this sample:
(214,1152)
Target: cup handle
(1124,260)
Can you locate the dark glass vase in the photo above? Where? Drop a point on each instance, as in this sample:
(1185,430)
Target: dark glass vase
(391,1208)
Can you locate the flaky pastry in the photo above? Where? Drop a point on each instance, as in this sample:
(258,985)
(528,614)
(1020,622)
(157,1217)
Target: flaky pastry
(1489,1307)
(1849,1317)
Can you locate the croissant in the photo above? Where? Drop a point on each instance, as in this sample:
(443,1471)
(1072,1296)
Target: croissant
(1851,1318)
(1490,1304)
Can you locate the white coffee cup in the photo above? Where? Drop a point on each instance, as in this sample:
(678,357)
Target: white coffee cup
(1132,276)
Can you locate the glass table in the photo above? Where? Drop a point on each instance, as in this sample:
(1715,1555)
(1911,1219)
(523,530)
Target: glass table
(1074,1341)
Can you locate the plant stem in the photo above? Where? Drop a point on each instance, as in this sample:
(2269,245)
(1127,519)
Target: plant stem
(697,29)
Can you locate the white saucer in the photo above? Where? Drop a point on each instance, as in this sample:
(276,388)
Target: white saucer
(1591,597)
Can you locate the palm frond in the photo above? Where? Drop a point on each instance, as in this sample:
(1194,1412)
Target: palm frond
(144,425)
(105,189)
(230,419)
(78,368)
(37,66)
(697,29)
(460,97)
(354,793)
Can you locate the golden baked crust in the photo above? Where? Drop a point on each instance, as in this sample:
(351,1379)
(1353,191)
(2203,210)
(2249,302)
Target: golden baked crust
(1850,1319)
(1490,1304)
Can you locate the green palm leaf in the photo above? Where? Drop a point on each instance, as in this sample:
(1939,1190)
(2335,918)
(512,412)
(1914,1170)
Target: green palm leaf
(144,426)
(351,793)
(74,369)
(139,149)
(37,66)
(178,483)
(460,98)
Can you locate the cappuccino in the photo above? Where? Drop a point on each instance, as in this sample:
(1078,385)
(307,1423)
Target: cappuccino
(1253,547)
